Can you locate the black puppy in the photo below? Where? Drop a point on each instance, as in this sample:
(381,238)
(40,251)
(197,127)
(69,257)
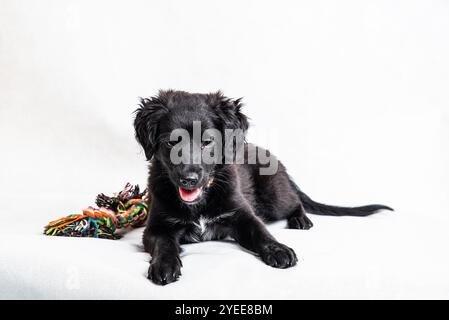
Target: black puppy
(201,201)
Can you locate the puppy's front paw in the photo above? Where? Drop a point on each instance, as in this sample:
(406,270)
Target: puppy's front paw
(278,255)
(165,271)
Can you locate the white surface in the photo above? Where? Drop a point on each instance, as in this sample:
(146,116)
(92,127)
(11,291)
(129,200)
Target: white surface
(351,95)
(379,257)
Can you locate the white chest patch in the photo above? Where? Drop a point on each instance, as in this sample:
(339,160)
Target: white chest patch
(206,228)
(202,224)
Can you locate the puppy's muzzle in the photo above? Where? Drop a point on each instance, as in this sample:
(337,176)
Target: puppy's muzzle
(189,181)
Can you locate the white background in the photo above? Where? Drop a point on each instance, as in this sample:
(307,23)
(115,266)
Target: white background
(353,96)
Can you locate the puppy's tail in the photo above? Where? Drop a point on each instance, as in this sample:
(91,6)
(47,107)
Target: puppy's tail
(326,210)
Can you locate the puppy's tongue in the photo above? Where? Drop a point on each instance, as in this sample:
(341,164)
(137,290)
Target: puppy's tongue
(189,195)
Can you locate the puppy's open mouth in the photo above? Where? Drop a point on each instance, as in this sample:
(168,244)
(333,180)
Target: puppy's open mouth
(189,195)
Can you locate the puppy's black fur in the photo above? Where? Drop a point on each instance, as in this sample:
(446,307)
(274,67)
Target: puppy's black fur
(235,200)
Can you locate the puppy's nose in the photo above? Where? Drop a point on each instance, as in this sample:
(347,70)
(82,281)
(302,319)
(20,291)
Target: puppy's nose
(190,180)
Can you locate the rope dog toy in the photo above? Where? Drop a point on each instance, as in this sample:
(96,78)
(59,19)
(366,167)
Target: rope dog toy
(128,208)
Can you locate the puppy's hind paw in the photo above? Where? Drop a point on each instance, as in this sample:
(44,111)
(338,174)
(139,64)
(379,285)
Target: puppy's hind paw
(301,222)
(278,255)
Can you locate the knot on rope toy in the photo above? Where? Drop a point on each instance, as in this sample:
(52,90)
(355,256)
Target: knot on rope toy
(128,208)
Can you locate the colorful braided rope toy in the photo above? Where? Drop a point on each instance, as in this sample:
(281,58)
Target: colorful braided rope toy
(128,208)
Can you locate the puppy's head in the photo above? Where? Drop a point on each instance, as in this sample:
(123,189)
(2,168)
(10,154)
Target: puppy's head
(186,133)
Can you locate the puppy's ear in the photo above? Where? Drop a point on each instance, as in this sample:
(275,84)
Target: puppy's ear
(229,112)
(146,122)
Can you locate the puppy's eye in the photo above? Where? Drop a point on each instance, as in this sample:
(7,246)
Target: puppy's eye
(207,143)
(171,144)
